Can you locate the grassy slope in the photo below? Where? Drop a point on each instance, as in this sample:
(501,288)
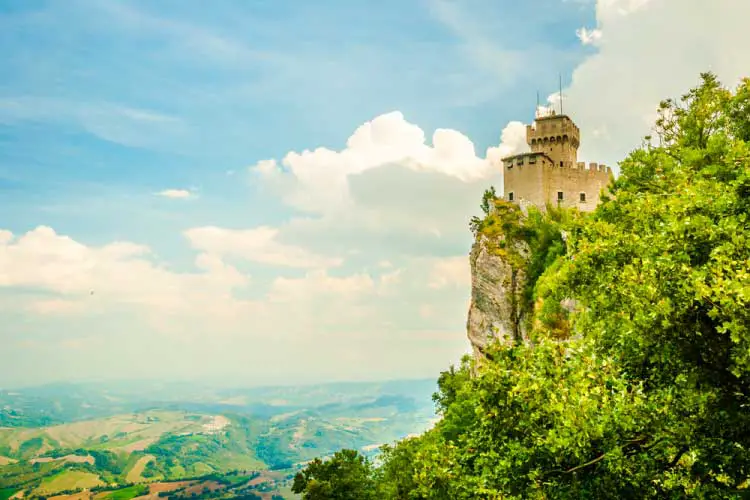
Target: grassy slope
(113,433)
(125,493)
(68,480)
(134,474)
(295,436)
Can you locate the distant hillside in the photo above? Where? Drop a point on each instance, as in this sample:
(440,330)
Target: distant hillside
(67,438)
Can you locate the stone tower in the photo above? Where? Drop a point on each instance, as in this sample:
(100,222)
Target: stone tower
(551,173)
(556,136)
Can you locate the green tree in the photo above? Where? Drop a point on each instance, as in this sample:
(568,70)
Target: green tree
(345,476)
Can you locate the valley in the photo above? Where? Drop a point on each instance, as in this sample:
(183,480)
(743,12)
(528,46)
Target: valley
(122,442)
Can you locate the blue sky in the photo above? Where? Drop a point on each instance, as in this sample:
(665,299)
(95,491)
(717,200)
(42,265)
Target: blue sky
(345,264)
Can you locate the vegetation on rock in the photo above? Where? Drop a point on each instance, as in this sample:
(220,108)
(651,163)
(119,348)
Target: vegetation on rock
(645,393)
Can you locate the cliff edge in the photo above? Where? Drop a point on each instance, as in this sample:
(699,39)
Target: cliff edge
(511,251)
(497,311)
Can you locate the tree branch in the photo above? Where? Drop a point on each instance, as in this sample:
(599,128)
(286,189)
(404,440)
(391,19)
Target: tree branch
(590,462)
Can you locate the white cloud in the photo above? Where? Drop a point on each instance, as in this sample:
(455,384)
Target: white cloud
(589,37)
(116,273)
(553,105)
(257,245)
(651,50)
(318,180)
(175,193)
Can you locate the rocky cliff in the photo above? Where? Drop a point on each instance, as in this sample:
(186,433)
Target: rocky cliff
(497,309)
(513,247)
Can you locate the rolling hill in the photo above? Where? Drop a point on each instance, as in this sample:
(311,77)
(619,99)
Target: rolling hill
(116,442)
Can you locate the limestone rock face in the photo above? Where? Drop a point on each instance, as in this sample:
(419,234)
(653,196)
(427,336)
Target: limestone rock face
(496,310)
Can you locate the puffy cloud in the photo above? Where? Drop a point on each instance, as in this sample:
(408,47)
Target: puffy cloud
(388,193)
(650,50)
(257,245)
(64,277)
(119,272)
(175,193)
(363,324)
(318,181)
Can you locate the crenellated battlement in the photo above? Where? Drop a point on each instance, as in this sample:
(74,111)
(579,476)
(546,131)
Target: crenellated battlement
(594,167)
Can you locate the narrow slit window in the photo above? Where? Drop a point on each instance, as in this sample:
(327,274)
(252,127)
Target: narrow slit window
(559,196)
(510,196)
(583,197)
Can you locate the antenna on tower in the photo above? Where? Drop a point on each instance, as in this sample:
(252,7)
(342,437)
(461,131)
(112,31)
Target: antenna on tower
(536,111)
(561,97)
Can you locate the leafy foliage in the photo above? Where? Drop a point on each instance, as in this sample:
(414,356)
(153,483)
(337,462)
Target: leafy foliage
(346,476)
(648,396)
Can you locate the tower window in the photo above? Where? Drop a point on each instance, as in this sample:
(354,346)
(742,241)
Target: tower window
(519,161)
(559,196)
(560,164)
(583,197)
(510,196)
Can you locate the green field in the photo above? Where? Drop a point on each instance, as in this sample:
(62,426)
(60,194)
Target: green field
(134,474)
(130,432)
(6,493)
(125,493)
(69,480)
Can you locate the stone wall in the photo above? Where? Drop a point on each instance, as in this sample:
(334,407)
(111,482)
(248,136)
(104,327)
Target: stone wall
(540,182)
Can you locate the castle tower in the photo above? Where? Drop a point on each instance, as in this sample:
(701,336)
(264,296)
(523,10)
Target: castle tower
(556,136)
(551,173)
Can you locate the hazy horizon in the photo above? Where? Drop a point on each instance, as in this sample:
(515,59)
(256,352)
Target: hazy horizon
(201,384)
(279,192)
